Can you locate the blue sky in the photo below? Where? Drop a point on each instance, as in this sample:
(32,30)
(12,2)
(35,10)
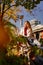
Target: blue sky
(37,13)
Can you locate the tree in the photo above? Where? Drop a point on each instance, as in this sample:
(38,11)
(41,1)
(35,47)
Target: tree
(29,4)
(4,37)
(5,11)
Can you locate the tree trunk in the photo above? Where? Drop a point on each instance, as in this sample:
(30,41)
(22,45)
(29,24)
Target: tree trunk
(4,37)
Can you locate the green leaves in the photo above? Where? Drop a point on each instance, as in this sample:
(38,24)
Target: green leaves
(17,60)
(28,4)
(41,41)
(6,2)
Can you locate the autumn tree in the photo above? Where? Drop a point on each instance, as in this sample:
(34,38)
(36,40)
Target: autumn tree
(5,6)
(4,37)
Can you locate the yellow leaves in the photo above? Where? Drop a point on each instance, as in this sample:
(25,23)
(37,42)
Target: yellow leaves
(6,17)
(14,17)
(5,7)
(11,13)
(14,51)
(12,0)
(12,3)
(8,13)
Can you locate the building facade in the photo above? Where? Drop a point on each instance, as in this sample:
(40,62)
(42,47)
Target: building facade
(37,28)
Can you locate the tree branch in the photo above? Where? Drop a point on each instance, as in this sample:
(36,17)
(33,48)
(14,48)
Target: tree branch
(3,9)
(9,8)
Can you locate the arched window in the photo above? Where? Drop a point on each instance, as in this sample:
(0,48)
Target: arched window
(37,35)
